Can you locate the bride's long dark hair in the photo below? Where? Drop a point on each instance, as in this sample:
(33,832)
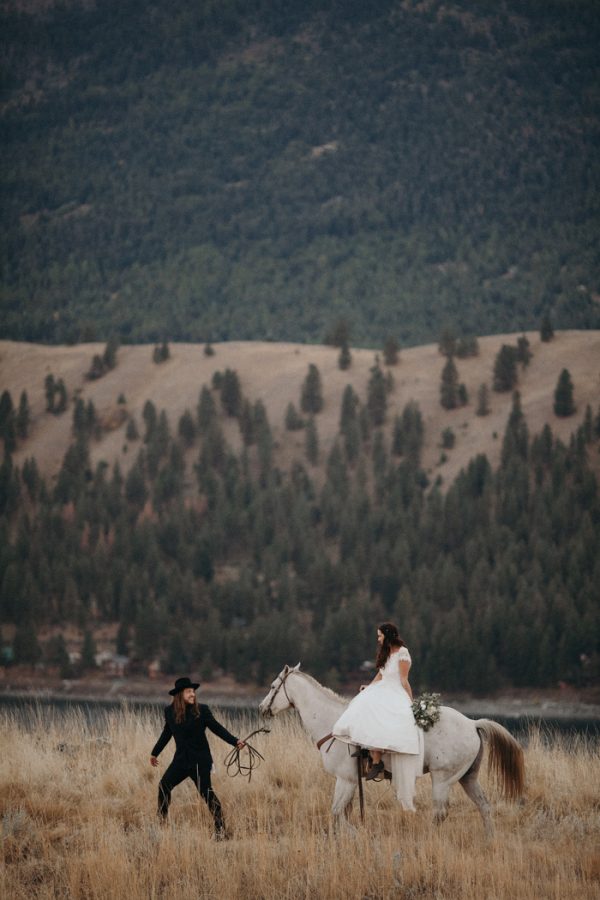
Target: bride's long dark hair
(391,638)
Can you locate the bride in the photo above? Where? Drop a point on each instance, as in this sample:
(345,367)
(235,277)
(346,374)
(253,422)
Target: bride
(380,717)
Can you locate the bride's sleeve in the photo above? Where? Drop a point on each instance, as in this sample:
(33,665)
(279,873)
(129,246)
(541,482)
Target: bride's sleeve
(404,654)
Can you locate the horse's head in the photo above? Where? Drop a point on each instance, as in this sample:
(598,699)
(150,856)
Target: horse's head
(278,699)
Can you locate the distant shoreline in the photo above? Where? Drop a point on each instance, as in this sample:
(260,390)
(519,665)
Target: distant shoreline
(509,707)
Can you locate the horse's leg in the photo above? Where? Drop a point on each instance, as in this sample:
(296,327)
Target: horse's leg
(440,791)
(342,800)
(474,792)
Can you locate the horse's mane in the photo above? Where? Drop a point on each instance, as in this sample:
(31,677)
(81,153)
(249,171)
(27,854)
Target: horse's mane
(327,691)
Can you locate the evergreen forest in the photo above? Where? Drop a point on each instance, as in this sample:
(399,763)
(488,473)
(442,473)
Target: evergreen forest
(260,169)
(234,564)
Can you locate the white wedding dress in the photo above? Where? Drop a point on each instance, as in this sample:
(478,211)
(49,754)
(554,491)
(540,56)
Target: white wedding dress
(381,718)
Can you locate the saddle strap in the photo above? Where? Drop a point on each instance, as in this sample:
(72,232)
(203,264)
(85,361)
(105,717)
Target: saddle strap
(323,740)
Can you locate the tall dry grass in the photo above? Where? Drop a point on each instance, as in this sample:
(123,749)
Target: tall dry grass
(78,819)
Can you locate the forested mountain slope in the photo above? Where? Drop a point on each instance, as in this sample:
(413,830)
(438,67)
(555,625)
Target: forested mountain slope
(237,510)
(236,170)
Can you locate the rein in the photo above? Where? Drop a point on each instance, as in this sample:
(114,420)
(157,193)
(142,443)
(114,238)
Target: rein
(282,681)
(233,761)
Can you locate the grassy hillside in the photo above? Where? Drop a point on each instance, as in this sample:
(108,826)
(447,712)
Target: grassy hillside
(274,373)
(258,171)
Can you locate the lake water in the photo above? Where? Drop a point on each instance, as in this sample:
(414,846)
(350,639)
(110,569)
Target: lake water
(40,710)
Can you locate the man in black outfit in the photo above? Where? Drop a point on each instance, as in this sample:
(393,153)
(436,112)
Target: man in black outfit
(186,721)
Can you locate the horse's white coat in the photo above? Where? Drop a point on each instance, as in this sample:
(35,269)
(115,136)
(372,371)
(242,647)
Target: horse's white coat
(452,746)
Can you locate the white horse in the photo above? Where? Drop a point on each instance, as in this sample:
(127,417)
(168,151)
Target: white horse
(453,747)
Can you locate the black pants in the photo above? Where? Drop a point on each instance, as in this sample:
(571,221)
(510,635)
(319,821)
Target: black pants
(175,774)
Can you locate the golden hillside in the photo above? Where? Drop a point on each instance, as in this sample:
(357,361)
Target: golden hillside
(274,374)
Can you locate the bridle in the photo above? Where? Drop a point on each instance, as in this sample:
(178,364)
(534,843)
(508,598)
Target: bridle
(282,681)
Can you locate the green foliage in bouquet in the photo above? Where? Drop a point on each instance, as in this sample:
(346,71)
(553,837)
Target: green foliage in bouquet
(426,710)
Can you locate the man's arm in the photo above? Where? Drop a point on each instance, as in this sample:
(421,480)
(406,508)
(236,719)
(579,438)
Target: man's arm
(161,743)
(219,729)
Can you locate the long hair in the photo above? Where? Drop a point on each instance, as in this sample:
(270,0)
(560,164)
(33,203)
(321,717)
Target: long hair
(391,638)
(180,708)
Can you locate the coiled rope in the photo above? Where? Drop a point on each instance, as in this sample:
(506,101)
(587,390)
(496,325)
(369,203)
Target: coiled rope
(233,761)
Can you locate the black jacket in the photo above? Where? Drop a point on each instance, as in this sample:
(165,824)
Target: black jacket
(191,745)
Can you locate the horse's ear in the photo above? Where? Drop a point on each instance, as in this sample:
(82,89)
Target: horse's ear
(296,668)
(286,669)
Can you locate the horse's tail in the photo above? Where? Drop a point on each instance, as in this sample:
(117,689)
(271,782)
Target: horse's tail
(506,759)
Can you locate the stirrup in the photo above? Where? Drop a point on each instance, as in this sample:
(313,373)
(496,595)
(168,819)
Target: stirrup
(375,770)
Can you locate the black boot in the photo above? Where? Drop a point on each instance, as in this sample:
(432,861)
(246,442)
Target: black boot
(375,770)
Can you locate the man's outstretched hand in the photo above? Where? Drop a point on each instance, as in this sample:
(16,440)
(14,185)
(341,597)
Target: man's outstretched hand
(153,761)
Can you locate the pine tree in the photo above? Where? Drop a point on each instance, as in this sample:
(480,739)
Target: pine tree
(88,652)
(377,395)
(409,433)
(131,432)
(49,389)
(447,343)
(109,357)
(311,398)
(97,368)
(505,369)
(349,407)
(563,395)
(231,393)
(351,434)
(79,420)
(58,655)
(524,353)
(345,357)
(31,477)
(135,485)
(311,442)
(379,456)
(349,425)
(8,430)
(449,385)
(6,407)
(186,428)
(467,346)
(293,419)
(162,433)
(339,334)
(207,409)
(391,351)
(122,640)
(26,648)
(94,425)
(483,401)
(161,353)
(60,404)
(546,328)
(150,417)
(448,439)
(516,435)
(8,433)
(246,423)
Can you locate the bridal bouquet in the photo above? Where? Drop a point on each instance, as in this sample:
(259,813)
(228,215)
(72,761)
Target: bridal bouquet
(426,710)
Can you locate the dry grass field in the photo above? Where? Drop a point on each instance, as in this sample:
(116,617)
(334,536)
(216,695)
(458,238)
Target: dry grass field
(77,805)
(274,374)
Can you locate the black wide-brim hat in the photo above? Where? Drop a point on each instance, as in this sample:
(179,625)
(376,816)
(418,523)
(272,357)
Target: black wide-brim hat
(181,684)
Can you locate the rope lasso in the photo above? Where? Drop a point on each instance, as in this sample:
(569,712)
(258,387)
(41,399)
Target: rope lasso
(233,761)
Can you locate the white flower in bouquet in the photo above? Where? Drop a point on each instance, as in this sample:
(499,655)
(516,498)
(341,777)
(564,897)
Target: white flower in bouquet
(426,710)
